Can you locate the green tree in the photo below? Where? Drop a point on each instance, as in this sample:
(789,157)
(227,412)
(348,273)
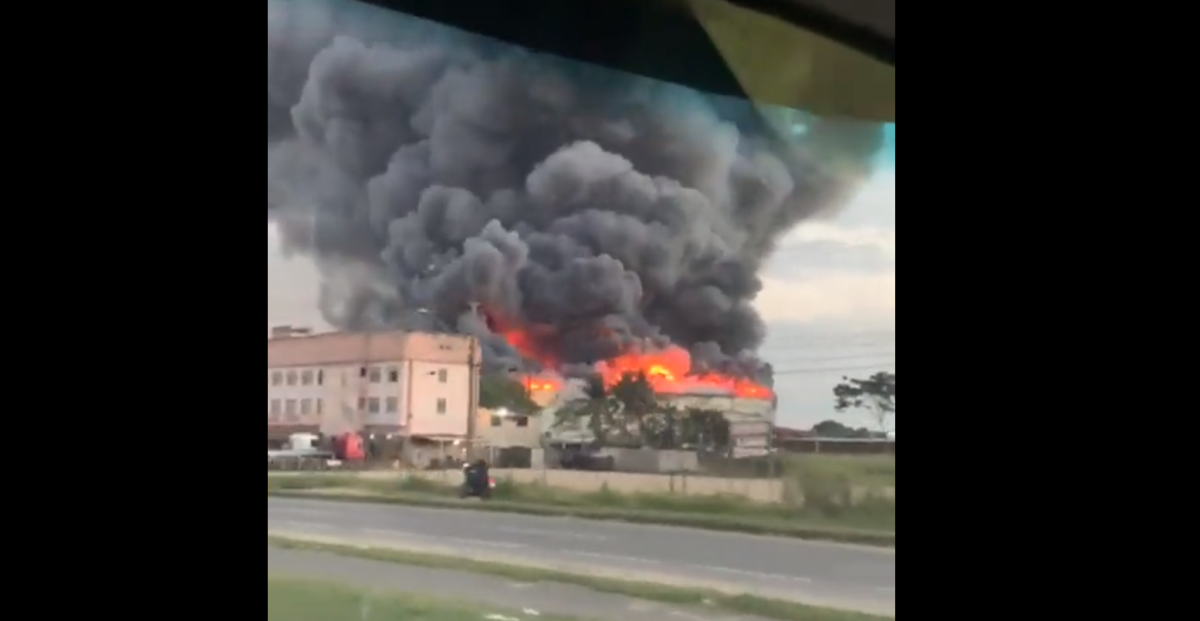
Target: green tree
(832,429)
(499,391)
(661,430)
(876,395)
(639,403)
(600,410)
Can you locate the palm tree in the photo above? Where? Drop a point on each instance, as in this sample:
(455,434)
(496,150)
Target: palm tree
(599,407)
(638,402)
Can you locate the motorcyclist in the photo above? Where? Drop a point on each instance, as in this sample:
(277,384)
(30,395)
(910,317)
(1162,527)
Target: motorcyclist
(477,478)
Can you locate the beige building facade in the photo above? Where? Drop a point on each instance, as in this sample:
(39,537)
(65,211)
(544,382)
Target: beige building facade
(408,384)
(497,430)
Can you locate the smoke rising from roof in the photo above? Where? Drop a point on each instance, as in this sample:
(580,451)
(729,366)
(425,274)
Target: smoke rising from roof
(443,181)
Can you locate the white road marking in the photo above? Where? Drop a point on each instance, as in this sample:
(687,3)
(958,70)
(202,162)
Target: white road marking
(755,574)
(613,557)
(303,525)
(459,540)
(312,513)
(529,532)
(484,542)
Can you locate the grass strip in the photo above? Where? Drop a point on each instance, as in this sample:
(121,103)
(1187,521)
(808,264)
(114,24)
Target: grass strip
(721,523)
(738,604)
(306,600)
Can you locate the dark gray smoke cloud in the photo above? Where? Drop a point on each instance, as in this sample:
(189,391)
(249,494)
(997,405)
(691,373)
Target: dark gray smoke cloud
(442,181)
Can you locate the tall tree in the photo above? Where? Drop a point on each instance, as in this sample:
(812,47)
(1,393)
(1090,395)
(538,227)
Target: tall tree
(876,395)
(598,407)
(661,430)
(638,402)
(498,391)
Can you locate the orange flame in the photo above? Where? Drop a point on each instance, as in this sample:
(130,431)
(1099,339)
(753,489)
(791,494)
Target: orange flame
(669,371)
(542,384)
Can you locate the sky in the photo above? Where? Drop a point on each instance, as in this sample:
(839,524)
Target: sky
(830,300)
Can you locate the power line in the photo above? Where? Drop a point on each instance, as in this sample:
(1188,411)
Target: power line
(876,367)
(882,354)
(826,336)
(828,341)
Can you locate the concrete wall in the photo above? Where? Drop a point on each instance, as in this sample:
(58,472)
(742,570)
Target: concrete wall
(508,433)
(756,490)
(651,461)
(626,483)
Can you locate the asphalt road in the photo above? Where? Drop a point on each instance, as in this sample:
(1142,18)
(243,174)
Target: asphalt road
(529,601)
(826,574)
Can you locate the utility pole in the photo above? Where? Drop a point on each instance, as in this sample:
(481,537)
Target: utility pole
(476,372)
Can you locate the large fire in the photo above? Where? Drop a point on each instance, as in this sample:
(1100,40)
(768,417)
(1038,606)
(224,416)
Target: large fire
(669,370)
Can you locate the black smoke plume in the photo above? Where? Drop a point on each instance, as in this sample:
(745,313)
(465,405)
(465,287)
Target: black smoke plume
(444,181)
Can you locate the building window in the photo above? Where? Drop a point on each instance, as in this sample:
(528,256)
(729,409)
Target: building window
(373,406)
(443,376)
(393,405)
(441,407)
(376,376)
(393,375)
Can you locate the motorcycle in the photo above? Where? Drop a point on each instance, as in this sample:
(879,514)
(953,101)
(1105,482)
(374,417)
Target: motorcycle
(477,482)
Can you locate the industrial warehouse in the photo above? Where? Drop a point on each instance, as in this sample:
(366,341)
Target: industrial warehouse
(415,396)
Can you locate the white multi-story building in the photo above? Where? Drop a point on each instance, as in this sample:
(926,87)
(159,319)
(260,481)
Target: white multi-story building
(409,384)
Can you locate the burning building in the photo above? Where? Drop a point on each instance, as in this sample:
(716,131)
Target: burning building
(572,220)
(749,408)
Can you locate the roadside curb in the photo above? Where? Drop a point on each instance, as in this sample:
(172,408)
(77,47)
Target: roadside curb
(697,521)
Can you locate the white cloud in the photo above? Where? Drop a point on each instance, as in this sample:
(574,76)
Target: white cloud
(852,298)
(843,271)
(878,239)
